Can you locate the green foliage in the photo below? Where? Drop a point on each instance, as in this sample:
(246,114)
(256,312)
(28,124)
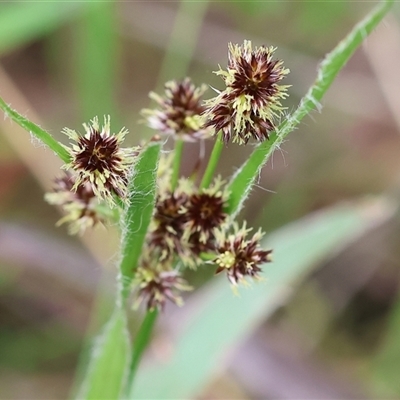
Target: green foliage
(36,130)
(242,181)
(385,367)
(225,319)
(108,368)
(137,216)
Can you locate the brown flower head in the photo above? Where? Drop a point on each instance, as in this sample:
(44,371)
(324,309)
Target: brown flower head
(79,205)
(179,112)
(225,119)
(204,213)
(155,286)
(98,159)
(238,256)
(251,101)
(168,225)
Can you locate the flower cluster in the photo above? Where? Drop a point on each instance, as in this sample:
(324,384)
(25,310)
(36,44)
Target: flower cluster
(98,159)
(155,285)
(185,221)
(238,256)
(250,102)
(180,111)
(78,203)
(190,226)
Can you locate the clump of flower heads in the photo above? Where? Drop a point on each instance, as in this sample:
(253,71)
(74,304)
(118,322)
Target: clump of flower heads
(180,111)
(184,221)
(238,256)
(250,103)
(190,226)
(155,284)
(79,203)
(98,159)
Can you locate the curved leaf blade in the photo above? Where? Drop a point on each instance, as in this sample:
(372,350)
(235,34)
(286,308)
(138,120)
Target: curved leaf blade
(334,61)
(109,365)
(222,320)
(137,216)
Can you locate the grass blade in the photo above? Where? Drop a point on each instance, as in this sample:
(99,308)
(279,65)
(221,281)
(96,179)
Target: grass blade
(334,61)
(222,320)
(109,365)
(36,130)
(385,367)
(137,216)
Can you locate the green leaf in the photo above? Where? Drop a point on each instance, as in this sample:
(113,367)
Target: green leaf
(385,366)
(137,216)
(36,130)
(22,22)
(221,320)
(109,365)
(243,180)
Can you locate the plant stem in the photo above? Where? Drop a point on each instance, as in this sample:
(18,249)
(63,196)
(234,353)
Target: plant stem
(142,339)
(37,131)
(212,163)
(176,163)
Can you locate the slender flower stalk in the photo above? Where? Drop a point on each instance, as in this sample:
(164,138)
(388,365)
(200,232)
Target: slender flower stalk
(176,163)
(212,162)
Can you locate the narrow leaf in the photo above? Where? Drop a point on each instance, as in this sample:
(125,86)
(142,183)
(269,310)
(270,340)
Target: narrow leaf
(220,320)
(137,216)
(109,365)
(242,181)
(385,366)
(36,130)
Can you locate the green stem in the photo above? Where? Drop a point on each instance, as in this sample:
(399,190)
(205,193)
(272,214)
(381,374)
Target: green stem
(176,163)
(212,163)
(142,339)
(36,130)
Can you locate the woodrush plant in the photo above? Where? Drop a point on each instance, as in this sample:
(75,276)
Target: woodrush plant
(168,222)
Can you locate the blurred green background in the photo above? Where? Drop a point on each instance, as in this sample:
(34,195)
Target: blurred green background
(62,63)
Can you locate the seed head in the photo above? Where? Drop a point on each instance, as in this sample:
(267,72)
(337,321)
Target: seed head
(155,286)
(238,256)
(250,103)
(204,213)
(179,112)
(98,159)
(79,205)
(168,225)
